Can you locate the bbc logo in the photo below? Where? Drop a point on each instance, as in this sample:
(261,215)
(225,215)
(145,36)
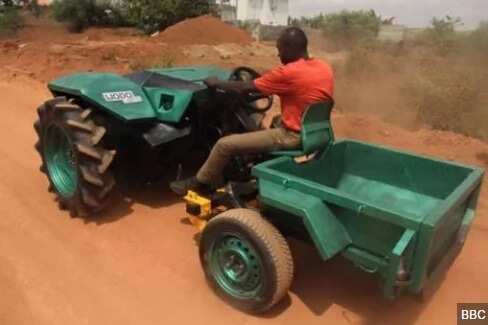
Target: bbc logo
(472,314)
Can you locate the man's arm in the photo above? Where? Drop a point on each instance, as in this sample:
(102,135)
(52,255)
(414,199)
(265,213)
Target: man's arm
(238,86)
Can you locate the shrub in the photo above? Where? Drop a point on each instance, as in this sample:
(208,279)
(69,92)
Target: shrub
(154,15)
(478,39)
(30,5)
(147,15)
(10,17)
(10,20)
(80,14)
(445,97)
(445,93)
(312,22)
(346,29)
(441,35)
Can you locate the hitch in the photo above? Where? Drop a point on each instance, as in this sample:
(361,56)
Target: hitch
(201,208)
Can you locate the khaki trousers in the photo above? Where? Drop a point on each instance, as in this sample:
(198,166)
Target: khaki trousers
(246,143)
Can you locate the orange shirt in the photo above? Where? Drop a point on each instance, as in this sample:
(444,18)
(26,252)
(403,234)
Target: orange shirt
(298,84)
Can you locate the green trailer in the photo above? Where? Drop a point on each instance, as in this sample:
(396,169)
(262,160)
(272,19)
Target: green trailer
(396,214)
(402,216)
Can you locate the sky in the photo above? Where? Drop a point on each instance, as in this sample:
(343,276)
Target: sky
(413,13)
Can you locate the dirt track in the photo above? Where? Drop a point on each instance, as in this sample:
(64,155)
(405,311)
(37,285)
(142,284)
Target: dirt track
(139,263)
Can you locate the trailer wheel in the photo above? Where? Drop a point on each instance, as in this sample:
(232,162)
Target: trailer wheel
(246,260)
(73,157)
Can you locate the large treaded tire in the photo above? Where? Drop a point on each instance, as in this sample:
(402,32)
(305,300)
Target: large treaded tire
(259,236)
(94,181)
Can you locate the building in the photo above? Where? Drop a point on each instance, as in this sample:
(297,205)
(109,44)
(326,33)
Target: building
(266,12)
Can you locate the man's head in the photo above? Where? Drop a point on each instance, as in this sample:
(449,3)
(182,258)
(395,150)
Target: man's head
(292,45)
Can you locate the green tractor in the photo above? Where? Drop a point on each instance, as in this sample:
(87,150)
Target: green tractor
(99,126)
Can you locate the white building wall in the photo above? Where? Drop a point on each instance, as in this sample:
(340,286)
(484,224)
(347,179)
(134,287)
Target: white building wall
(267,12)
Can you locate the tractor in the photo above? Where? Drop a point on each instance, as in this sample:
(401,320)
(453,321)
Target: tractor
(99,127)
(398,215)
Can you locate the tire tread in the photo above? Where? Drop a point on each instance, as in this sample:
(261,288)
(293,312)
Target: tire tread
(275,244)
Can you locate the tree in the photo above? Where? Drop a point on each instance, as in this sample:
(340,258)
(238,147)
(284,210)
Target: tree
(148,15)
(154,15)
(441,35)
(348,28)
(80,14)
(18,3)
(388,21)
(10,16)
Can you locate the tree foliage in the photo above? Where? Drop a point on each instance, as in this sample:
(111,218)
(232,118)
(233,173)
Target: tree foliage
(147,15)
(351,27)
(79,14)
(10,18)
(346,28)
(442,35)
(10,21)
(154,15)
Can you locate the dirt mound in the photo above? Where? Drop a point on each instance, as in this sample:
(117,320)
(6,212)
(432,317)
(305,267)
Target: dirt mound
(204,30)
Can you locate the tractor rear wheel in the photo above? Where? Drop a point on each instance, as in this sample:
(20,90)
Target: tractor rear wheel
(246,260)
(77,165)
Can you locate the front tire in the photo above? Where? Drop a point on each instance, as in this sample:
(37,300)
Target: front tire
(77,165)
(246,260)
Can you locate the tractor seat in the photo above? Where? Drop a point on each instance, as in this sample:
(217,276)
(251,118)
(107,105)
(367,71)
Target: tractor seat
(317,134)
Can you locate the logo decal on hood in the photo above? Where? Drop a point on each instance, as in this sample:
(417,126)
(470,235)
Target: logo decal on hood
(126,97)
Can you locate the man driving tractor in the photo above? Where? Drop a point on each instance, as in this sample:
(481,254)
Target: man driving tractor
(299,82)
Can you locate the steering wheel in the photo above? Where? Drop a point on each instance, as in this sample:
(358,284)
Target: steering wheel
(253,100)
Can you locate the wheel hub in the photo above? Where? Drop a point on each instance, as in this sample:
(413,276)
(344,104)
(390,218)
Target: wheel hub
(236,267)
(61,161)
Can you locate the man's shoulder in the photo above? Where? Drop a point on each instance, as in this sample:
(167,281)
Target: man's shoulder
(312,63)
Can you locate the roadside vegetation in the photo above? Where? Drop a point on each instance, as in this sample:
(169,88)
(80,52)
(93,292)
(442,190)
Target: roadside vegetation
(80,14)
(438,76)
(11,19)
(345,29)
(147,15)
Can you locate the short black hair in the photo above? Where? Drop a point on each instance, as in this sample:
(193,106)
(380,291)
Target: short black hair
(294,38)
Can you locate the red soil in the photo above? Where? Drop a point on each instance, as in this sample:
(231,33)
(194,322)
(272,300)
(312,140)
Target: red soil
(204,30)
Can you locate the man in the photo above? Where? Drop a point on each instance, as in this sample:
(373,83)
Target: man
(299,82)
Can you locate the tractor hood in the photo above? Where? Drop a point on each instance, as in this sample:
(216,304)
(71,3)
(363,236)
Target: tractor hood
(161,94)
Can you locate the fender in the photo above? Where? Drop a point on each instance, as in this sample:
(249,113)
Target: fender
(328,234)
(107,91)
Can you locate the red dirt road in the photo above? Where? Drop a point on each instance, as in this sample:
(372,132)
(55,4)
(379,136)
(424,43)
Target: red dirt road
(139,264)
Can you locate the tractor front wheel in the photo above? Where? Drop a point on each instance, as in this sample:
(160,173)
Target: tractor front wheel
(77,165)
(246,260)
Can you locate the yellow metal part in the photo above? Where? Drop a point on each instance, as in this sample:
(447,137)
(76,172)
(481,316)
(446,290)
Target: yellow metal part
(205,205)
(197,222)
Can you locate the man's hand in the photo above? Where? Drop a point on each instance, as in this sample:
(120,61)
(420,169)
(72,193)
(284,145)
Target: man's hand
(212,82)
(236,86)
